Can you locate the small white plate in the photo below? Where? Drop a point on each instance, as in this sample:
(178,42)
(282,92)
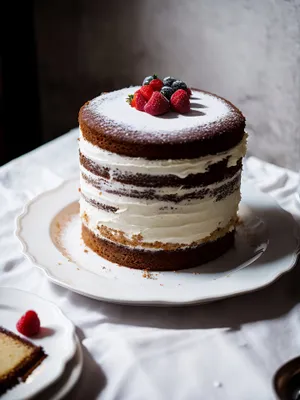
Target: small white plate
(267,245)
(59,389)
(57,337)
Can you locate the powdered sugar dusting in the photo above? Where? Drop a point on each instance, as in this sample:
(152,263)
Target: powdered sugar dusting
(206,109)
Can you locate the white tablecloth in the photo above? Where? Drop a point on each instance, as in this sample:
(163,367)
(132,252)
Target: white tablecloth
(224,350)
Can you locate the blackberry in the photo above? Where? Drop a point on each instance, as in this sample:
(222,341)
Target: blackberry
(168,81)
(167,91)
(148,79)
(179,85)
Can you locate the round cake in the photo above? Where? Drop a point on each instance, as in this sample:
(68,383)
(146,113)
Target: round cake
(160,192)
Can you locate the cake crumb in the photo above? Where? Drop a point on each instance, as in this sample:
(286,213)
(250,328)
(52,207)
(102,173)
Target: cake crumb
(77,269)
(85,217)
(161,284)
(100,193)
(85,250)
(79,190)
(138,237)
(147,274)
(59,263)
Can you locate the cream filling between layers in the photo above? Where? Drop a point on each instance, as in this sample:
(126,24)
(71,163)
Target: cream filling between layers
(182,168)
(116,200)
(186,224)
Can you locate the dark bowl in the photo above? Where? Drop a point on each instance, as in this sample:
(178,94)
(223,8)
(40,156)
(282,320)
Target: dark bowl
(286,381)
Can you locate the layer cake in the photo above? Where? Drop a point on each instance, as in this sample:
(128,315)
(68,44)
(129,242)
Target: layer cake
(160,193)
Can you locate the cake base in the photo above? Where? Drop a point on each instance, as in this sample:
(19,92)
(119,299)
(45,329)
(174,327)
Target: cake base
(159,260)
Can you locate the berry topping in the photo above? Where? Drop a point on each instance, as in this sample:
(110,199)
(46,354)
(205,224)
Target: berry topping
(148,79)
(157,104)
(189,92)
(29,323)
(180,101)
(130,100)
(168,80)
(167,91)
(146,91)
(179,85)
(137,100)
(156,85)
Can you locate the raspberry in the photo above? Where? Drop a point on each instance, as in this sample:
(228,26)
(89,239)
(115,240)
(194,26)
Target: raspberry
(29,323)
(180,101)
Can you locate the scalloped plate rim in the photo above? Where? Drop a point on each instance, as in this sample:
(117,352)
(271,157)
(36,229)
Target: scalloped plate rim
(158,302)
(70,328)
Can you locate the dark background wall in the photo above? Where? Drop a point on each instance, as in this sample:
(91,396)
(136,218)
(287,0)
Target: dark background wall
(245,50)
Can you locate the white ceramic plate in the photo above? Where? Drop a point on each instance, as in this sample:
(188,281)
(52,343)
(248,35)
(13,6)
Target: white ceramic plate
(57,337)
(266,246)
(59,389)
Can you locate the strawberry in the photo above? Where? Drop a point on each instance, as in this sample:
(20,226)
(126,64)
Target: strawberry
(130,100)
(137,100)
(189,92)
(146,91)
(157,104)
(180,101)
(156,84)
(29,323)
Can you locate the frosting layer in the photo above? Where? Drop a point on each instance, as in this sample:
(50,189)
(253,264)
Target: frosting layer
(115,164)
(180,222)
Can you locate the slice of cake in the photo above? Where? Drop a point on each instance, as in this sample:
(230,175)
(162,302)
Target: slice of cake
(160,192)
(18,358)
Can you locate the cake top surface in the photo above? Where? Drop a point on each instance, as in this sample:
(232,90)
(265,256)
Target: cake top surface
(205,109)
(110,117)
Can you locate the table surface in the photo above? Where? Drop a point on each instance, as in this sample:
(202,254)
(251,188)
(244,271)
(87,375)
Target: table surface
(228,349)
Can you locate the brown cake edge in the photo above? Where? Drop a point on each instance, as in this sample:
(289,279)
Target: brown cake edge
(159,260)
(193,143)
(26,367)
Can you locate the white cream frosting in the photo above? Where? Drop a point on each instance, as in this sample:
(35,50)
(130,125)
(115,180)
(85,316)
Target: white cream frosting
(181,168)
(185,225)
(114,199)
(164,221)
